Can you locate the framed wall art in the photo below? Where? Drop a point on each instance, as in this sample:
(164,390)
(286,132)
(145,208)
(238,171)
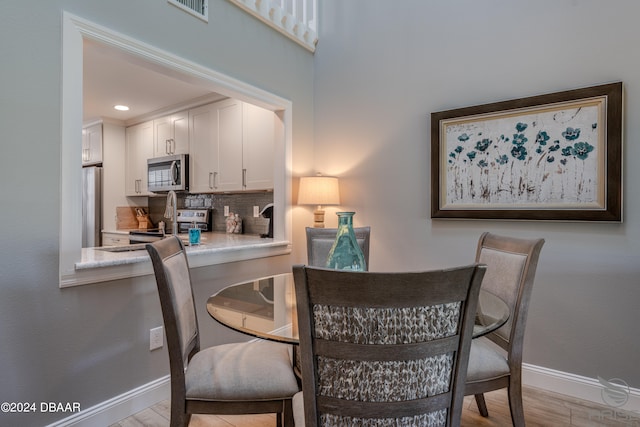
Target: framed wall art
(548,157)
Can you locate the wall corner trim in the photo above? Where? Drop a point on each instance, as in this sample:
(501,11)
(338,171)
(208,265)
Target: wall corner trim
(119,407)
(576,386)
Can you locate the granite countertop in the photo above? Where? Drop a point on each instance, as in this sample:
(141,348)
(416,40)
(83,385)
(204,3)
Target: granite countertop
(211,245)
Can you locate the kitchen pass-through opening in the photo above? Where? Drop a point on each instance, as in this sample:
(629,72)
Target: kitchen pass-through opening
(75,31)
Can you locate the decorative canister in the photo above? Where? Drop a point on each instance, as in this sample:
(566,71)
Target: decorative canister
(345,254)
(238,224)
(231,223)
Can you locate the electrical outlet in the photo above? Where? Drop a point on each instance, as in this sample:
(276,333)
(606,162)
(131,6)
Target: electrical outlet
(156,338)
(226,211)
(256,211)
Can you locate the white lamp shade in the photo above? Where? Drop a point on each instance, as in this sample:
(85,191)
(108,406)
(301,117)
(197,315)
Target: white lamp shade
(319,190)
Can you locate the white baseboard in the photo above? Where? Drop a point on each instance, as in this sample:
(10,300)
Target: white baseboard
(117,408)
(589,389)
(133,401)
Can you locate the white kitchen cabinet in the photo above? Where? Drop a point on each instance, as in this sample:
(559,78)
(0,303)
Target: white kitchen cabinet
(114,239)
(92,145)
(171,135)
(216,147)
(231,147)
(258,141)
(231,316)
(258,323)
(139,148)
(229,141)
(203,125)
(247,320)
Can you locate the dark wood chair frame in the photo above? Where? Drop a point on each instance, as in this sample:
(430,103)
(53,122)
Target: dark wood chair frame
(515,327)
(395,290)
(181,407)
(363,235)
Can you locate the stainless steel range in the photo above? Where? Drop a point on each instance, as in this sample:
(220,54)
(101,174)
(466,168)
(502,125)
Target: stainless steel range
(202,219)
(187,218)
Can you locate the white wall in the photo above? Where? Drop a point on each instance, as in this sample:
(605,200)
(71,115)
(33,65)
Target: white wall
(89,343)
(113,151)
(382,67)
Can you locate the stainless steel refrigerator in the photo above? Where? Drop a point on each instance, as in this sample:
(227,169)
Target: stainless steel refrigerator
(91,206)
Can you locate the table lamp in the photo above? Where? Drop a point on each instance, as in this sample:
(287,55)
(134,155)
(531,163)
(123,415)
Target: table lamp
(318,190)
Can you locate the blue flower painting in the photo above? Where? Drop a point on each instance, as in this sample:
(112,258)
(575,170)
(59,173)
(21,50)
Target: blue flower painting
(551,157)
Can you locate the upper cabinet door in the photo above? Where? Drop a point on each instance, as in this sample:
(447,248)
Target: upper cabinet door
(138,148)
(229,142)
(216,147)
(171,135)
(258,127)
(203,129)
(92,145)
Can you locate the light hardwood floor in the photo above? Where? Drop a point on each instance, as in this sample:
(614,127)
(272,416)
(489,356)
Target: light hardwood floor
(542,409)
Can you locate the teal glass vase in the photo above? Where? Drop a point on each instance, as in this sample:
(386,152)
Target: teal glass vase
(345,254)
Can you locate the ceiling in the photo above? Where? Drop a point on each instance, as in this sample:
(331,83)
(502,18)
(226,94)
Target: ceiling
(112,76)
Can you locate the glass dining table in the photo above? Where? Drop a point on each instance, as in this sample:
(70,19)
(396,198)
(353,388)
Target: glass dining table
(266,308)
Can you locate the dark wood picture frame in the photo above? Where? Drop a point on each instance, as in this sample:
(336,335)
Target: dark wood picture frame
(549,157)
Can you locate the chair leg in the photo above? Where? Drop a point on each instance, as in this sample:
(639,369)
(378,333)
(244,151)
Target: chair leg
(288,413)
(179,416)
(515,404)
(180,420)
(279,419)
(482,405)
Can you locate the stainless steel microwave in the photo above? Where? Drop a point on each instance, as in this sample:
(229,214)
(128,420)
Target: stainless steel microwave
(168,173)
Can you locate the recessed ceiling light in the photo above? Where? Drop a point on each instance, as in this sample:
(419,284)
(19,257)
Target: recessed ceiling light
(121,107)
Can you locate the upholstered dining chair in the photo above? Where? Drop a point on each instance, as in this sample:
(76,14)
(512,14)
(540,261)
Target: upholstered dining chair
(495,361)
(320,240)
(384,348)
(237,378)
(319,243)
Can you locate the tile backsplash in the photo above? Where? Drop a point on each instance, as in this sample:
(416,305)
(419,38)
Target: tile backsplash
(240,203)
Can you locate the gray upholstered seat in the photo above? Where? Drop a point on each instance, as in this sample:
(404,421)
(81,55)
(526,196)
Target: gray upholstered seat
(380,349)
(240,371)
(495,361)
(238,378)
(320,240)
(486,360)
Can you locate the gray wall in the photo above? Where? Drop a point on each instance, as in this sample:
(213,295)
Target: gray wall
(90,343)
(382,68)
(379,72)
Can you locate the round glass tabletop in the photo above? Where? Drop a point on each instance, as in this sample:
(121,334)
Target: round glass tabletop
(266,308)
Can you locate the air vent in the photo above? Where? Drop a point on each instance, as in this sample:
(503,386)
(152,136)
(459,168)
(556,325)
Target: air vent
(198,8)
